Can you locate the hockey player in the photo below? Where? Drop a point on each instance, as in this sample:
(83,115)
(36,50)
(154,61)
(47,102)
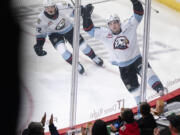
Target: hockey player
(54,23)
(120,39)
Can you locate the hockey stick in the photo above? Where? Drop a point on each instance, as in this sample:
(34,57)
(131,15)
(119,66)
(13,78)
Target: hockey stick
(95,2)
(91,3)
(153,9)
(73,2)
(101,2)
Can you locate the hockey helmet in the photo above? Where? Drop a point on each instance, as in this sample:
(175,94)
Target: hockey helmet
(50,7)
(113,17)
(48,3)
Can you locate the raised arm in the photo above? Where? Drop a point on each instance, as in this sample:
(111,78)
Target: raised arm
(52,128)
(88,25)
(138,10)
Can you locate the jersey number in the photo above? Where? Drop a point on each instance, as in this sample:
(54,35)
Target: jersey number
(38,30)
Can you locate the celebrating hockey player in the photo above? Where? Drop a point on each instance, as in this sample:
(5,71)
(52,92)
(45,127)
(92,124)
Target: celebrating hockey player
(54,22)
(120,39)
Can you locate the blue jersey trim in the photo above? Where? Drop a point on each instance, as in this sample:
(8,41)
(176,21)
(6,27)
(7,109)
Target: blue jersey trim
(126,63)
(41,36)
(91,32)
(152,80)
(138,17)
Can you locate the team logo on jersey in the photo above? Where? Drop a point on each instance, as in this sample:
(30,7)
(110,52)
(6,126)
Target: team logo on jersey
(61,24)
(121,43)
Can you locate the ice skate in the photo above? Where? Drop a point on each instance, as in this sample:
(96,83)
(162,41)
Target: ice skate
(81,69)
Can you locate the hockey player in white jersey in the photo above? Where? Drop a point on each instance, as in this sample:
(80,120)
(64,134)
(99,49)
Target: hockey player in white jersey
(120,39)
(54,23)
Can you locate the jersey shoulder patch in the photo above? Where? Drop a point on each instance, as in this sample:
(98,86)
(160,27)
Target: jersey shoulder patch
(39,21)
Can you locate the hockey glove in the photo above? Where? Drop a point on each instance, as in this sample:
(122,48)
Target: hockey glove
(38,47)
(39,50)
(137,6)
(87,11)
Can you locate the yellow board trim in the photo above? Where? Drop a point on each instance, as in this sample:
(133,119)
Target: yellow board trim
(175,4)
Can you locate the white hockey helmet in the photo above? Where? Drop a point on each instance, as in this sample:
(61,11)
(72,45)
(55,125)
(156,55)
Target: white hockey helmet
(113,17)
(48,3)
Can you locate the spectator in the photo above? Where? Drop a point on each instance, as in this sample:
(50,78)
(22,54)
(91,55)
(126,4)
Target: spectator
(130,126)
(174,125)
(52,128)
(25,132)
(147,123)
(115,126)
(156,131)
(99,128)
(88,129)
(37,128)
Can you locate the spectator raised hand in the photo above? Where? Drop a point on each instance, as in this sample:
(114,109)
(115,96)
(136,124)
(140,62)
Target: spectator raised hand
(43,120)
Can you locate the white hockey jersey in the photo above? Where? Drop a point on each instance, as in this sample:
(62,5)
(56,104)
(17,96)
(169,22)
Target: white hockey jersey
(122,48)
(62,24)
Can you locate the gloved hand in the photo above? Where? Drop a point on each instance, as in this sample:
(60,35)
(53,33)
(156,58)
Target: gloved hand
(39,50)
(87,11)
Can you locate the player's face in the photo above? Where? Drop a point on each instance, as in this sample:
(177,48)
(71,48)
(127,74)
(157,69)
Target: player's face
(50,10)
(114,26)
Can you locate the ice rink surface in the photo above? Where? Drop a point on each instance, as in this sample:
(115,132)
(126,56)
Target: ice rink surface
(46,81)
